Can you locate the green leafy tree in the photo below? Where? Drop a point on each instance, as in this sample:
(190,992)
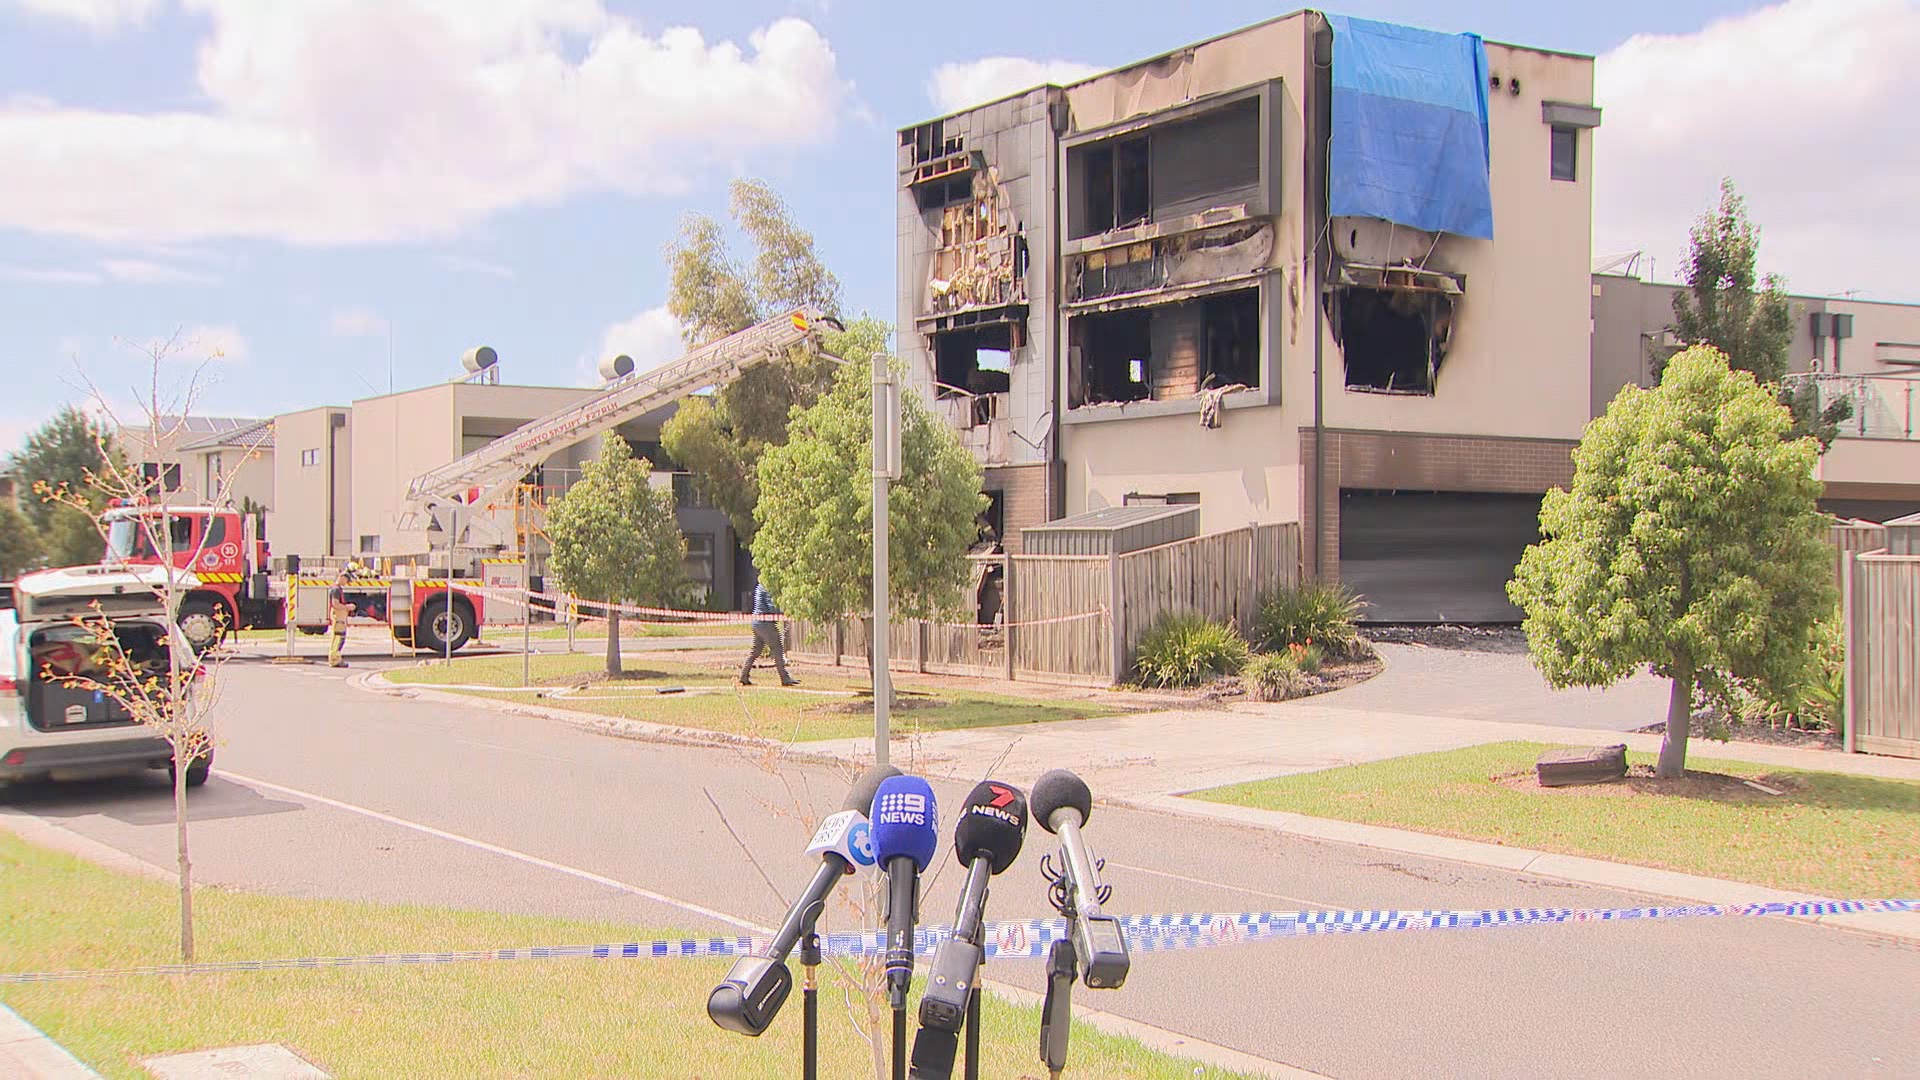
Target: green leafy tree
(1748,318)
(66,450)
(19,543)
(616,540)
(1690,543)
(720,438)
(71,538)
(815,543)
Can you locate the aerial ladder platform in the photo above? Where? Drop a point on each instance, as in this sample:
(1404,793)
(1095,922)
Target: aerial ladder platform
(436,500)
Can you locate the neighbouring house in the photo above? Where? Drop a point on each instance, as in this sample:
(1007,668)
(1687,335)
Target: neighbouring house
(173,453)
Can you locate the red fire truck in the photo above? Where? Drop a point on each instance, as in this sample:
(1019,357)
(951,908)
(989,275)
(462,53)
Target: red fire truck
(237,589)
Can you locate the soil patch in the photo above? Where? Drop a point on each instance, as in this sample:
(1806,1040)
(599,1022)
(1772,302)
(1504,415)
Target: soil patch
(1753,732)
(1333,675)
(584,679)
(1711,786)
(864,707)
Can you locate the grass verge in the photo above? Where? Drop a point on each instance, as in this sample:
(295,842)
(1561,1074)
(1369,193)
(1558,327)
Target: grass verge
(824,707)
(1845,836)
(598,632)
(486,1019)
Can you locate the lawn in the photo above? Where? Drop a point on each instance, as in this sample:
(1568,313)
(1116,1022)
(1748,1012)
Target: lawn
(483,1019)
(1838,835)
(598,631)
(823,707)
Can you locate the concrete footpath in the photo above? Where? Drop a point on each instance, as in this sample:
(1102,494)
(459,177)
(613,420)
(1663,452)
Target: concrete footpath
(27,1054)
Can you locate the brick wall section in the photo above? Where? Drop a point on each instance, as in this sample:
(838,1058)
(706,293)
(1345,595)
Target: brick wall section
(1399,461)
(1023,491)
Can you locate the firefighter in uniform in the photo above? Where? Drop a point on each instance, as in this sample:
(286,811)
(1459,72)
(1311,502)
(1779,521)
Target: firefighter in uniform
(338,609)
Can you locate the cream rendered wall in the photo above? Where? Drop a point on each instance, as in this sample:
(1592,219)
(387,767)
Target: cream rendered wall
(1249,468)
(297,522)
(1518,365)
(1883,336)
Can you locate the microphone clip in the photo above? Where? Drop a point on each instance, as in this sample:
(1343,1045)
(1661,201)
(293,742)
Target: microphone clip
(1060,893)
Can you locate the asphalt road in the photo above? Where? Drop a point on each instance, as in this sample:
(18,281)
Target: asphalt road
(322,789)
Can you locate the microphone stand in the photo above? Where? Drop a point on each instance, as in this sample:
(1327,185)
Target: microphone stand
(972,1071)
(810,1006)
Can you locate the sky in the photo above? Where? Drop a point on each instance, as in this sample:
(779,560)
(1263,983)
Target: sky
(301,203)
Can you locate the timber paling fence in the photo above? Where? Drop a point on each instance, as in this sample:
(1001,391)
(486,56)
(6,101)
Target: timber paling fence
(1075,619)
(1879,571)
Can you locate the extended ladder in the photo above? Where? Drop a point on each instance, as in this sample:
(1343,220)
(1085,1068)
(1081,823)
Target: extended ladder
(476,478)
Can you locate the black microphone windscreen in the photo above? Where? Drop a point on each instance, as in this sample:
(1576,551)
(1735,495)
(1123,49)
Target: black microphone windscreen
(1060,789)
(861,797)
(933,1054)
(992,824)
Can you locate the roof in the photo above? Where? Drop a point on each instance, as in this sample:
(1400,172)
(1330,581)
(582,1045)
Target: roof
(1116,517)
(253,435)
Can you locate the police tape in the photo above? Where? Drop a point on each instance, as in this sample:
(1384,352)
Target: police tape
(1030,940)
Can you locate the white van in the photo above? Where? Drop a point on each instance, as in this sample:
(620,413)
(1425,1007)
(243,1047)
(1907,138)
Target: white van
(52,731)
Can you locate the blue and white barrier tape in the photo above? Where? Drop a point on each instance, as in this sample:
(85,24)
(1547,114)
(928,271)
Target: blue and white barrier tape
(1029,940)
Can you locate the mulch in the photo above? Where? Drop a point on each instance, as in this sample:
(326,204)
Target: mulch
(1711,786)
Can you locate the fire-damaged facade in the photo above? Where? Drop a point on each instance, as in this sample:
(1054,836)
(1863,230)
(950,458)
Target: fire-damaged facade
(1320,270)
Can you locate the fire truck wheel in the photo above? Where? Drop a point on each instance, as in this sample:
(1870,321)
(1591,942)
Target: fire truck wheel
(203,622)
(441,629)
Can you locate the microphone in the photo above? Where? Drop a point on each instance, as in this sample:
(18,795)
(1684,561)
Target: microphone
(904,836)
(986,840)
(750,996)
(1062,804)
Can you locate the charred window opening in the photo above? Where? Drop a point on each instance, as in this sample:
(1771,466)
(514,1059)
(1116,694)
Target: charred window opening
(1168,351)
(930,141)
(1116,181)
(976,362)
(1393,339)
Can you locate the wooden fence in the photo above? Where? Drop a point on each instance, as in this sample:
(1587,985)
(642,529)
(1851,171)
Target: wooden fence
(1075,619)
(1853,538)
(1881,601)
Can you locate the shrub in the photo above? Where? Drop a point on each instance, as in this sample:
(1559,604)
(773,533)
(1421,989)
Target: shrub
(1184,649)
(1274,677)
(1319,612)
(1306,656)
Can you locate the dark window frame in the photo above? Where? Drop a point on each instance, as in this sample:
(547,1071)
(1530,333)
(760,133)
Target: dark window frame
(1563,166)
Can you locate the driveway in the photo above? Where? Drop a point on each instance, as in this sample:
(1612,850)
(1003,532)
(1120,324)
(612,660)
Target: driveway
(1497,682)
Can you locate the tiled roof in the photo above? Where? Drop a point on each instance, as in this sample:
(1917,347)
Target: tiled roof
(248,435)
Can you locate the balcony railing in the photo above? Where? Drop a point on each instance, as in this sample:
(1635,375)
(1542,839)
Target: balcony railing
(1884,406)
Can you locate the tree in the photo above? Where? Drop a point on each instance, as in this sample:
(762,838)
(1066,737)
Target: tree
(19,543)
(1690,542)
(1748,318)
(815,542)
(616,539)
(720,438)
(175,696)
(65,450)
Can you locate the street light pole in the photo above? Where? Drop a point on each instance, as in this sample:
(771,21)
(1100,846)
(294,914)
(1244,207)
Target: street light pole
(886,468)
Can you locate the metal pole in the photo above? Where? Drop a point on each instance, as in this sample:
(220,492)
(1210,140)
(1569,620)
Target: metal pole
(526,638)
(882,604)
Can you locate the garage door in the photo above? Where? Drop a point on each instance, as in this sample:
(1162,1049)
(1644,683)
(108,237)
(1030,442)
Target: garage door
(1435,556)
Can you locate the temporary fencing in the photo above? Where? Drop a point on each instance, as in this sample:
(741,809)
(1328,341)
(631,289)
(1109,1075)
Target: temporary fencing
(1030,939)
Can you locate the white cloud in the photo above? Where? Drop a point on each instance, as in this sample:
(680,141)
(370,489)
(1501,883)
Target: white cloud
(358,322)
(476,108)
(466,264)
(48,275)
(94,14)
(150,273)
(652,338)
(1803,104)
(961,86)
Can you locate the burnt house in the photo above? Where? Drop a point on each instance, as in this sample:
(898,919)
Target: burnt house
(1320,269)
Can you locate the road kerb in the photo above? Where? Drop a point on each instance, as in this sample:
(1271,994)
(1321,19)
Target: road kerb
(1575,869)
(26,1053)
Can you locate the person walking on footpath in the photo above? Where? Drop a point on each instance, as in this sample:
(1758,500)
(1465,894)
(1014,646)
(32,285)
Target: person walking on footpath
(337,611)
(766,638)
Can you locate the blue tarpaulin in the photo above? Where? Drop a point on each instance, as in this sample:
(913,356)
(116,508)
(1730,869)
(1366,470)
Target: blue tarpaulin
(1410,128)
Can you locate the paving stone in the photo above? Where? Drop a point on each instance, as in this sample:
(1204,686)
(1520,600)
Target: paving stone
(269,1061)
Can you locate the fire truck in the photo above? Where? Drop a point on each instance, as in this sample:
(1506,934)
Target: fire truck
(457,505)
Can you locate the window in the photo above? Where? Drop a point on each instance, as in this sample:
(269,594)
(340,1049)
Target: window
(216,532)
(1167,351)
(213,474)
(699,562)
(165,477)
(687,494)
(310,457)
(976,361)
(1566,153)
(1393,339)
(1116,185)
(370,544)
(1171,170)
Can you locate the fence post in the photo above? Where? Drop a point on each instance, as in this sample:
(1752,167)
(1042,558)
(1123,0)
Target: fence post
(1850,666)
(836,642)
(1007,616)
(1116,619)
(920,646)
